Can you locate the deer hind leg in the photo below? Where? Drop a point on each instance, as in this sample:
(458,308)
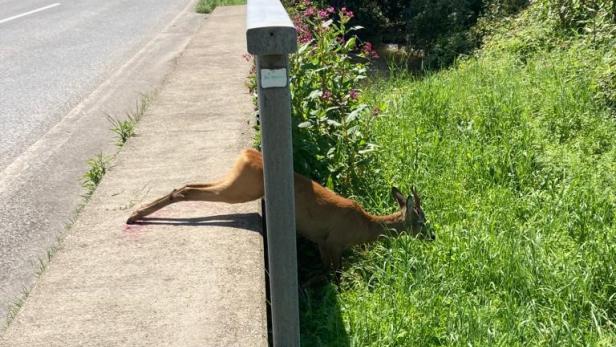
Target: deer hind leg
(175,196)
(238,188)
(244,183)
(221,192)
(321,276)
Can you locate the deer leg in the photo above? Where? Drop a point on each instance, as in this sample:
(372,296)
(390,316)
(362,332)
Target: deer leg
(314,280)
(325,256)
(200,185)
(221,191)
(331,256)
(207,192)
(156,205)
(322,275)
(336,259)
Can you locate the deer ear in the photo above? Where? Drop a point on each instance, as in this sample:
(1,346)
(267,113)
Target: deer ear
(398,196)
(416,201)
(410,202)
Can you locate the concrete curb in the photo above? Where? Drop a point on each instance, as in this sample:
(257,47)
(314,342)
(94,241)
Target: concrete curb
(194,276)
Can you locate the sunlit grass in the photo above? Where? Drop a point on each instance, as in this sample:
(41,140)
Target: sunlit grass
(207,6)
(516,162)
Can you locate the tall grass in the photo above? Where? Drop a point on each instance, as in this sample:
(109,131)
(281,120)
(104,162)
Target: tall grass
(516,162)
(207,6)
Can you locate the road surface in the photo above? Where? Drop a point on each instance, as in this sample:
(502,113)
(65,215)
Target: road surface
(64,65)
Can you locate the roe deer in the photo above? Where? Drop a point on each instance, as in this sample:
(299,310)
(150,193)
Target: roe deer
(329,220)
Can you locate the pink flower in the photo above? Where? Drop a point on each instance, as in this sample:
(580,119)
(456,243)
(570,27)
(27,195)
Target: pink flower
(305,37)
(353,94)
(330,9)
(303,31)
(327,95)
(369,51)
(346,13)
(323,14)
(310,11)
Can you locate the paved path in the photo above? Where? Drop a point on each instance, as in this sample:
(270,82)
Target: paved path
(194,275)
(61,70)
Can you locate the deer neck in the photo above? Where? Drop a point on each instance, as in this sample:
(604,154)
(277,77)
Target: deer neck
(384,225)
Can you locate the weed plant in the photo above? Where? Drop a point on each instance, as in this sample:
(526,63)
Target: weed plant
(123,129)
(98,166)
(207,6)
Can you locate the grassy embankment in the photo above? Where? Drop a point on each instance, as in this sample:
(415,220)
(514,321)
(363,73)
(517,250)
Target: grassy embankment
(514,152)
(207,6)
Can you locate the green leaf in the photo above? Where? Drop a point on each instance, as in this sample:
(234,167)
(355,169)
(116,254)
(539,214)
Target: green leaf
(304,125)
(351,43)
(315,94)
(330,152)
(355,113)
(333,122)
(331,108)
(352,130)
(369,148)
(330,183)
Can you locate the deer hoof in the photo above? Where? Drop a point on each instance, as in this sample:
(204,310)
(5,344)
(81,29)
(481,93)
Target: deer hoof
(133,218)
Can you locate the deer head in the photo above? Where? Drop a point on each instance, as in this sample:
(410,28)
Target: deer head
(413,218)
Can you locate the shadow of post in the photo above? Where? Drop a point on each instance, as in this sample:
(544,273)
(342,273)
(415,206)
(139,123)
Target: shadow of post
(321,321)
(247,221)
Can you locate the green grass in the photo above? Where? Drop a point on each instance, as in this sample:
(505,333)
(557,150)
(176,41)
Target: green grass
(207,6)
(98,167)
(122,128)
(515,157)
(125,128)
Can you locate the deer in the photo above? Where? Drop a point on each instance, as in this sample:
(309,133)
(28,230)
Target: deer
(332,222)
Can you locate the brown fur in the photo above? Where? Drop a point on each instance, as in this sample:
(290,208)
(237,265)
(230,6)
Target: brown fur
(327,219)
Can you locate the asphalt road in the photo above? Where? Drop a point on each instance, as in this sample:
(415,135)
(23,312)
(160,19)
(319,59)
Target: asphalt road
(63,66)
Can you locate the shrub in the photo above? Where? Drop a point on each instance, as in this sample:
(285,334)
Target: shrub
(438,29)
(330,143)
(580,14)
(607,83)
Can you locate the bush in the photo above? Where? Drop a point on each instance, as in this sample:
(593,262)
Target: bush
(441,30)
(438,29)
(607,83)
(580,14)
(329,119)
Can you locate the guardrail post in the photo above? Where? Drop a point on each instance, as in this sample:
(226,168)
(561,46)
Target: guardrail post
(271,37)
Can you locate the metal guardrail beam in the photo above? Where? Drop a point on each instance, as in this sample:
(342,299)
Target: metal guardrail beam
(269,28)
(271,37)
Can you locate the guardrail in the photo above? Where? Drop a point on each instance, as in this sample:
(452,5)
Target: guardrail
(271,37)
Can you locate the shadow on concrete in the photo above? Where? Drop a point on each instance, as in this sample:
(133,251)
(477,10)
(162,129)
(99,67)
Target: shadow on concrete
(247,221)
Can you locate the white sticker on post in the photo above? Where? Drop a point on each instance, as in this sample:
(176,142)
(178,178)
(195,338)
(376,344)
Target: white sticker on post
(273,78)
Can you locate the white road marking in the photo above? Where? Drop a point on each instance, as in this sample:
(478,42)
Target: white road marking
(29,13)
